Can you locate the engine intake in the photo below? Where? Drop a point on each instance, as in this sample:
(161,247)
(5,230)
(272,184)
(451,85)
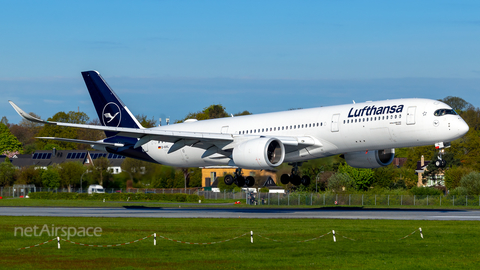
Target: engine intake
(372,159)
(261,153)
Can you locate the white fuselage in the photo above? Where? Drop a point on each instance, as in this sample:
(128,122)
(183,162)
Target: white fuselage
(334,129)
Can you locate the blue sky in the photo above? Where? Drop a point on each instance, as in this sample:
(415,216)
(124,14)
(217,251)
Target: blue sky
(169,58)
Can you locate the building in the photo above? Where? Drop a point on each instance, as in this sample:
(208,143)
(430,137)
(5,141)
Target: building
(44,158)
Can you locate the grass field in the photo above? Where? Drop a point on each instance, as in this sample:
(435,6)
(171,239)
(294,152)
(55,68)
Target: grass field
(377,245)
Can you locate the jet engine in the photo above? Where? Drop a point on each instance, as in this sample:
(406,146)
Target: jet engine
(370,159)
(261,153)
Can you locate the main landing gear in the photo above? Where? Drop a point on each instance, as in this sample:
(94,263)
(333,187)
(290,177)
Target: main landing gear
(238,179)
(294,177)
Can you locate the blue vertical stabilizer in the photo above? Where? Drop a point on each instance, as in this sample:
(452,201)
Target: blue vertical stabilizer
(110,109)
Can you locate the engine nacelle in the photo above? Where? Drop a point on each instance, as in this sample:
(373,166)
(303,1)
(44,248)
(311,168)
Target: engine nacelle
(261,153)
(372,159)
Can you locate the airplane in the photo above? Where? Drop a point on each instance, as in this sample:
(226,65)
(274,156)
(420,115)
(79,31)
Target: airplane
(365,134)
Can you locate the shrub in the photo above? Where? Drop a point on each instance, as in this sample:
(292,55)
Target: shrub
(264,190)
(459,191)
(425,191)
(176,197)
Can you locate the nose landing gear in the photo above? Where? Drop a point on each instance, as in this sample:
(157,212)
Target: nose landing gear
(440,162)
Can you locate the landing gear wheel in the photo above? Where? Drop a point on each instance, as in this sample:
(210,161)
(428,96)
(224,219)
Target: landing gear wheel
(440,163)
(295,179)
(240,181)
(305,180)
(228,179)
(250,181)
(285,179)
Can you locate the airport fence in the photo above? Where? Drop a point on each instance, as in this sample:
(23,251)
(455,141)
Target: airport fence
(325,199)
(322,199)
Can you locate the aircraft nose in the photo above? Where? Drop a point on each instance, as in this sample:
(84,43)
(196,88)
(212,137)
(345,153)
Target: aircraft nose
(463,128)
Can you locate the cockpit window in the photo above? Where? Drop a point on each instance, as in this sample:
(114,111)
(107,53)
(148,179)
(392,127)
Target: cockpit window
(442,112)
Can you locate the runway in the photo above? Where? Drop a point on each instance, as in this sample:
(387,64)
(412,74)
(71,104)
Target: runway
(320,213)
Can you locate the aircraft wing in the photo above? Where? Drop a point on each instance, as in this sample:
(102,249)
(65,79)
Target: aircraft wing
(179,138)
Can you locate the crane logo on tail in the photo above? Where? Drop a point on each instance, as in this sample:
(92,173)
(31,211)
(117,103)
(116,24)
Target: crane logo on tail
(111,115)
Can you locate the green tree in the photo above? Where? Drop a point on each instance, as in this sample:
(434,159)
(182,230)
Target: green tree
(407,176)
(29,175)
(7,173)
(195,177)
(384,176)
(363,178)
(471,182)
(51,177)
(340,182)
(62,132)
(458,104)
(138,170)
(242,113)
(70,173)
(8,142)
(210,112)
(100,171)
(162,176)
(454,175)
(145,122)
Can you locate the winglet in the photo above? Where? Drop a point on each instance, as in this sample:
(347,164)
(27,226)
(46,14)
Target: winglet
(25,115)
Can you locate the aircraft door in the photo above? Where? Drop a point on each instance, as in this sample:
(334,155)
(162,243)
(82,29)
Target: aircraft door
(224,130)
(335,118)
(411,115)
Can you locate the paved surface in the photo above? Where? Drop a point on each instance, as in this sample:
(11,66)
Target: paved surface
(242,213)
